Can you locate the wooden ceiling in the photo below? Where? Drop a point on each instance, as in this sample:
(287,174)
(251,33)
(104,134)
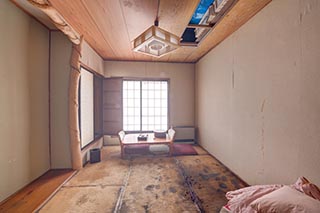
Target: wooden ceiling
(110,26)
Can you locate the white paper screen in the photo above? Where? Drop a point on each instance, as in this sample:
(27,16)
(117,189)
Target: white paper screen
(86,107)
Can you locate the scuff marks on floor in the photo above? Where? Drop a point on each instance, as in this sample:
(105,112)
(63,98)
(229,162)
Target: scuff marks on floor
(83,199)
(209,181)
(189,182)
(108,172)
(155,184)
(146,184)
(122,191)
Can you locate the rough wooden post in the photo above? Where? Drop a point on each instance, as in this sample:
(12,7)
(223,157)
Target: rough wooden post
(74,106)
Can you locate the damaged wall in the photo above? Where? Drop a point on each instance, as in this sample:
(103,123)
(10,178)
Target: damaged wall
(257,95)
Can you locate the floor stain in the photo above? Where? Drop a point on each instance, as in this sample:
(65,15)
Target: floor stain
(124,208)
(172,189)
(146,208)
(222,185)
(208,176)
(149,187)
(236,183)
(83,199)
(180,184)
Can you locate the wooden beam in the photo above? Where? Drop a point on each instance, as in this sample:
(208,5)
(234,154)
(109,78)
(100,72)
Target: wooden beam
(199,26)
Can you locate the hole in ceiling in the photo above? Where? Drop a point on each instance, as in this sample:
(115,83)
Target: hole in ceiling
(200,11)
(203,20)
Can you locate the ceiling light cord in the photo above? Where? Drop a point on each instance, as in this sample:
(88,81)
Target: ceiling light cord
(156,21)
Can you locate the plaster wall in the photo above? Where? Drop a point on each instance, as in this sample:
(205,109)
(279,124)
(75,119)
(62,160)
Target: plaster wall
(181,86)
(61,49)
(60,53)
(91,58)
(258,95)
(24,99)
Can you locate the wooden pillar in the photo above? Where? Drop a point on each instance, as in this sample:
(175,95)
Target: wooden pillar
(74,106)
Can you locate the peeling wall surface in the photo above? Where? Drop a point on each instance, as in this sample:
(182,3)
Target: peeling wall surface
(181,86)
(24,95)
(258,95)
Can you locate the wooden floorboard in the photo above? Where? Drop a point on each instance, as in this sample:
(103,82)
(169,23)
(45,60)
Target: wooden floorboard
(37,192)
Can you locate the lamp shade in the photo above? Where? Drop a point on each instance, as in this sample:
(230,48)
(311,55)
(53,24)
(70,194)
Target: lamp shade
(156,42)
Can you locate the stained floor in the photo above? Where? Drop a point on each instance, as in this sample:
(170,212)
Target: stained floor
(152,183)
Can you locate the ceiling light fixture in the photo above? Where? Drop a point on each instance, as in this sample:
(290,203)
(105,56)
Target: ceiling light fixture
(156,41)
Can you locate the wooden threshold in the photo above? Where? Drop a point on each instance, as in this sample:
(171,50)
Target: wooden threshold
(32,196)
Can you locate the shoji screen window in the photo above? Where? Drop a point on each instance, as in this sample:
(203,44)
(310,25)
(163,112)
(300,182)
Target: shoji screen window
(86,107)
(131,105)
(145,105)
(154,105)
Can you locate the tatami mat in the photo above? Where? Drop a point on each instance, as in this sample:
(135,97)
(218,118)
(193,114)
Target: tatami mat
(149,183)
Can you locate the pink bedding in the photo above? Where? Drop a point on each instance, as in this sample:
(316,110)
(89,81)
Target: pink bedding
(240,200)
(310,189)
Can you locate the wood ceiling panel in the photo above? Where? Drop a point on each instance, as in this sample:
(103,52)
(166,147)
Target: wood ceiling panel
(164,58)
(178,55)
(142,57)
(175,15)
(78,17)
(181,54)
(242,11)
(108,17)
(110,26)
(139,15)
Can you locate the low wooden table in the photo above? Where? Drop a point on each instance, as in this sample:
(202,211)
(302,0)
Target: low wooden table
(132,139)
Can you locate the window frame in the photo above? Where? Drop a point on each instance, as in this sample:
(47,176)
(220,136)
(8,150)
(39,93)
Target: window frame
(168,101)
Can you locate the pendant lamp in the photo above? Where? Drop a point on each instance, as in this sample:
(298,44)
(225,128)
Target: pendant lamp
(156,41)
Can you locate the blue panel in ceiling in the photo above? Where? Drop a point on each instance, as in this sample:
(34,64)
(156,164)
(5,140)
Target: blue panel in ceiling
(200,11)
